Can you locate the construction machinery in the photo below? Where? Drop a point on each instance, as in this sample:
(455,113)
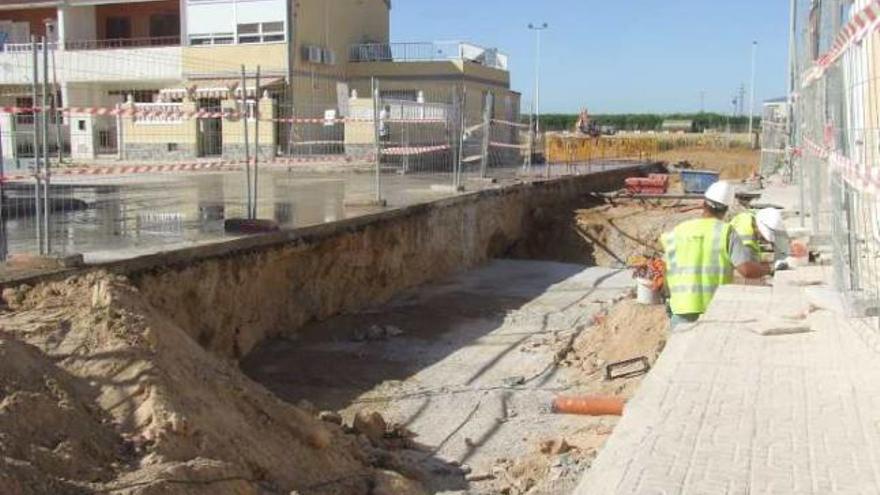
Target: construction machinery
(585,125)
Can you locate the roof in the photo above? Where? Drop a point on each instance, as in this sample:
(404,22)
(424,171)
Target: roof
(781,99)
(678,122)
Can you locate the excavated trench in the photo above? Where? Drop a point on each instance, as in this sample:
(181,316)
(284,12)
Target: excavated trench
(142,358)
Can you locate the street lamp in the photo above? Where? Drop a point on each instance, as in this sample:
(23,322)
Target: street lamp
(537,28)
(752,89)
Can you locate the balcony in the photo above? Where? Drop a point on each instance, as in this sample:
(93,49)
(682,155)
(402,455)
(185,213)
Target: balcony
(114,60)
(428,52)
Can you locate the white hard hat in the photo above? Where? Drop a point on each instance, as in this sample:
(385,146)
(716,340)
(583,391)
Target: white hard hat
(721,193)
(770,223)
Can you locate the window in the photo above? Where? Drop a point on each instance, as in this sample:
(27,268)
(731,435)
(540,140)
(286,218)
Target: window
(118,28)
(25,117)
(211,39)
(261,32)
(164,25)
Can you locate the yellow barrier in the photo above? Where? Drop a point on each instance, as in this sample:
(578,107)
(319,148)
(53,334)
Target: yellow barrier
(576,149)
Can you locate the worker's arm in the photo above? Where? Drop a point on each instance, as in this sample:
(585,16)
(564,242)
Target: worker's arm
(742,259)
(753,269)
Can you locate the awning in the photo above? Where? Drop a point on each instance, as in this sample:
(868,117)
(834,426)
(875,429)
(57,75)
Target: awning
(218,88)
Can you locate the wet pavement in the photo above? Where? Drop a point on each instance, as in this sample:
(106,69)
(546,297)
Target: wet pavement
(107,218)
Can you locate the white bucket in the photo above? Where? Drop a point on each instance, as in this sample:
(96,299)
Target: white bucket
(645,293)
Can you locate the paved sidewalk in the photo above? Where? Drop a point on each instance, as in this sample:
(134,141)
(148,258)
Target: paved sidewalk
(729,411)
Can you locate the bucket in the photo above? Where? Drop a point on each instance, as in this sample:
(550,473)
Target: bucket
(645,293)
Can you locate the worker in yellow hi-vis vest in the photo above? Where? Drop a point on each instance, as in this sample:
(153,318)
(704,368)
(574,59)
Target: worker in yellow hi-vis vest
(702,254)
(765,226)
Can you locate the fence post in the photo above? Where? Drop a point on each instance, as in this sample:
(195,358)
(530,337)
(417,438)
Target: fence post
(256,140)
(462,124)
(120,144)
(374,84)
(3,240)
(56,110)
(242,114)
(47,167)
(36,146)
(488,104)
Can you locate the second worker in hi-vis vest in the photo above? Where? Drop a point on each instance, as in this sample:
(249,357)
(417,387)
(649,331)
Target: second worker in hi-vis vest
(702,254)
(764,227)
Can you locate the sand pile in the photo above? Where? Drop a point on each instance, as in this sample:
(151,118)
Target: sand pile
(630,330)
(99,392)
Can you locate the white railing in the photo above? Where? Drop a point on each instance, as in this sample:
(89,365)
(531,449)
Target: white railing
(106,44)
(158,113)
(428,52)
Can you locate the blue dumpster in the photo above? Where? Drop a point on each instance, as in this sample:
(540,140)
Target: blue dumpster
(697,181)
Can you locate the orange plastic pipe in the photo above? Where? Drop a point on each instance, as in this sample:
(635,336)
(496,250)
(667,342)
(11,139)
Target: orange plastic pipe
(589,406)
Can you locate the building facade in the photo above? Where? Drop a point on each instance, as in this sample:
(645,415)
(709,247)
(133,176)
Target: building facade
(162,79)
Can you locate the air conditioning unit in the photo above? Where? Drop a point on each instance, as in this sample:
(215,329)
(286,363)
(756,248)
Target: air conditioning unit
(328,56)
(312,54)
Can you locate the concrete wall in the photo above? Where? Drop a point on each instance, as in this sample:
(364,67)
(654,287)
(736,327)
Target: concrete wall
(157,141)
(339,24)
(226,60)
(233,133)
(233,295)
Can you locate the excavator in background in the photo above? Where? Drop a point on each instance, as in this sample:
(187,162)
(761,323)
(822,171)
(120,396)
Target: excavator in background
(585,125)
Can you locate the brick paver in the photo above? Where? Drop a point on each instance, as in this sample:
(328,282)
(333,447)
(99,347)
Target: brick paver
(729,411)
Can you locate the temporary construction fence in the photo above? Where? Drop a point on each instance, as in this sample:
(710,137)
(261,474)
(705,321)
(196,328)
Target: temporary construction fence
(837,126)
(96,161)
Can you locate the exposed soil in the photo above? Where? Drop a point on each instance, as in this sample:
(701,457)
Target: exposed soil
(616,233)
(733,163)
(628,330)
(101,393)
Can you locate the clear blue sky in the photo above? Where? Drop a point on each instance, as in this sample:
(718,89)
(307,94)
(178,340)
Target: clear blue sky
(618,55)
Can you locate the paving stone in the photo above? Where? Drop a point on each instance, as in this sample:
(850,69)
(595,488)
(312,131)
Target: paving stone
(728,411)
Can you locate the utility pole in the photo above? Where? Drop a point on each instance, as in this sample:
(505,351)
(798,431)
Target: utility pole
(702,102)
(752,90)
(538,28)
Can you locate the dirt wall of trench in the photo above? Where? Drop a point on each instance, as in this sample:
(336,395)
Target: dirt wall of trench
(233,295)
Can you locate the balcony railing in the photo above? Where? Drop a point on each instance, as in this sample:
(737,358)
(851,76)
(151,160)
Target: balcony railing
(107,44)
(428,52)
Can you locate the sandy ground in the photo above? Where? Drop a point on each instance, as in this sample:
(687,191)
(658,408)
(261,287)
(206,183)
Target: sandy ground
(734,163)
(100,393)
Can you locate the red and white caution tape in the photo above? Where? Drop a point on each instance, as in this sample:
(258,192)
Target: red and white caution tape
(863,22)
(508,145)
(417,150)
(509,123)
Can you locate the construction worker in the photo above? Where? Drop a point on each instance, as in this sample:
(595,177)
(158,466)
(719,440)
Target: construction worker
(702,254)
(764,226)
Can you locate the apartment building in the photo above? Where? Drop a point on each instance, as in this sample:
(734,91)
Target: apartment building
(177,66)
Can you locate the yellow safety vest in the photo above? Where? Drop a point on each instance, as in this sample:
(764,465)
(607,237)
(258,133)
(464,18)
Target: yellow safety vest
(697,263)
(744,225)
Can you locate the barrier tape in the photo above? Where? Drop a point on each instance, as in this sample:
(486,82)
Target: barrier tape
(223,165)
(508,145)
(203,114)
(418,150)
(857,174)
(862,23)
(507,122)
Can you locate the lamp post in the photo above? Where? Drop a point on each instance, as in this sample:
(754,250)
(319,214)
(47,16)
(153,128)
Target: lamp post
(537,28)
(752,89)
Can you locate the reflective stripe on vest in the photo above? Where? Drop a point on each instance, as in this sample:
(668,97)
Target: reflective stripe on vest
(744,225)
(697,263)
